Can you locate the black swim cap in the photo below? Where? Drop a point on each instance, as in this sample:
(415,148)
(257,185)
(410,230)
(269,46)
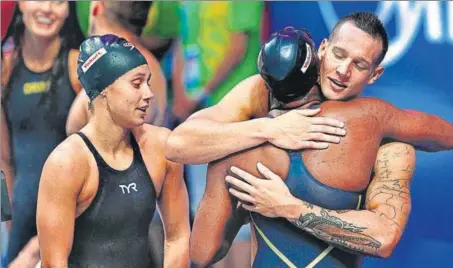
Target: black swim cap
(289,65)
(103,59)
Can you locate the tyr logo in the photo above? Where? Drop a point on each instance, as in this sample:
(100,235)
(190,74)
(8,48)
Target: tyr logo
(126,188)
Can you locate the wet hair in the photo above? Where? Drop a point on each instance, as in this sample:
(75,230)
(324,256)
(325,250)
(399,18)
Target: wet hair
(71,37)
(130,15)
(369,23)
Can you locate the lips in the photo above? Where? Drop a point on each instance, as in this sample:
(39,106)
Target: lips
(337,86)
(143,108)
(44,20)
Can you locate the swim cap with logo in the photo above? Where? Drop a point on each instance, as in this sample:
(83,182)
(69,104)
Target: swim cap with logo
(103,59)
(289,65)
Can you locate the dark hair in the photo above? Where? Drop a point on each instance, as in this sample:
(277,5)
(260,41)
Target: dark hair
(369,23)
(71,37)
(131,15)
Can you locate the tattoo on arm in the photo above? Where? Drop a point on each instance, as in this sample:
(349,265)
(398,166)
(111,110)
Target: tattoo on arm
(335,231)
(388,196)
(392,191)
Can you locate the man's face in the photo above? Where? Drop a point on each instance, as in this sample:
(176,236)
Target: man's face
(348,62)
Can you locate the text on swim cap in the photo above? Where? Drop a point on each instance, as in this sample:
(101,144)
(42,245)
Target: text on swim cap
(129,45)
(93,58)
(307,59)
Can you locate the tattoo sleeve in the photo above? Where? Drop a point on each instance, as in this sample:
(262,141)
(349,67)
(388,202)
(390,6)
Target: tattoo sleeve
(376,230)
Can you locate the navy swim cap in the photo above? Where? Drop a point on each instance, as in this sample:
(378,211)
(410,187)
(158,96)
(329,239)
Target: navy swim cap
(103,59)
(289,65)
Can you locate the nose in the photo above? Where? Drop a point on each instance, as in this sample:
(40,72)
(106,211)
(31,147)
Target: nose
(344,68)
(148,93)
(46,6)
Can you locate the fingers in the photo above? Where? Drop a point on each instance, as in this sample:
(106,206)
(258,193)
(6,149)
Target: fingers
(267,172)
(249,208)
(328,130)
(312,145)
(308,112)
(242,196)
(326,121)
(323,137)
(245,175)
(240,184)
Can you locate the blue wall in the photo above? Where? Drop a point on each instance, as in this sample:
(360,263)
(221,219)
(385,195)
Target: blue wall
(419,73)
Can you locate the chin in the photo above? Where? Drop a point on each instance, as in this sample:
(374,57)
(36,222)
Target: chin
(45,32)
(332,95)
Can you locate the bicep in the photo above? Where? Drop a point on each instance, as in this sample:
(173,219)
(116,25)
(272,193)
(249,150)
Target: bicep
(174,203)
(414,127)
(56,208)
(79,114)
(389,191)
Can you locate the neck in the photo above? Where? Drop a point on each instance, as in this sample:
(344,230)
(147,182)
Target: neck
(111,137)
(311,98)
(40,53)
(104,26)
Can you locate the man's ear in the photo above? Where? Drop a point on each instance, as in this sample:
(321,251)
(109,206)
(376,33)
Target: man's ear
(376,74)
(323,48)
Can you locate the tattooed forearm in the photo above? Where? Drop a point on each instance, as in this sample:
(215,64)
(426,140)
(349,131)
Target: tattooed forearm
(337,232)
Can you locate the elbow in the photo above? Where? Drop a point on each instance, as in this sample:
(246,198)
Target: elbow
(54,261)
(203,254)
(52,264)
(200,255)
(175,147)
(389,242)
(200,259)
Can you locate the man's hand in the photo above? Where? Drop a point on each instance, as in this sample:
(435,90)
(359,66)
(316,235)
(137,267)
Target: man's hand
(296,130)
(266,196)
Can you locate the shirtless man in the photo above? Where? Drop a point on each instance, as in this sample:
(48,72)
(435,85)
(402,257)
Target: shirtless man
(367,122)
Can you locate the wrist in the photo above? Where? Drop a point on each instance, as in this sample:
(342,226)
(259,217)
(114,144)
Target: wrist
(263,130)
(293,209)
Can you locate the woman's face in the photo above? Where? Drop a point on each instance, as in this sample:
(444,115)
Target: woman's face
(44,18)
(128,98)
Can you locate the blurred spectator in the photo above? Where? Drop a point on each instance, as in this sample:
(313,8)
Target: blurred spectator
(125,19)
(161,27)
(38,88)
(218,47)
(160,33)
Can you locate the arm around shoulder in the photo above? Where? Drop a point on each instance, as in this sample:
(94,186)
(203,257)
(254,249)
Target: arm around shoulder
(196,140)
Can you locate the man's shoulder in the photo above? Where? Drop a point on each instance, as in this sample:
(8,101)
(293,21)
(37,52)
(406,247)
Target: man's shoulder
(365,103)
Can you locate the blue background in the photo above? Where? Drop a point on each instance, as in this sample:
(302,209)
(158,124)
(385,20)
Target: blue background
(420,79)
